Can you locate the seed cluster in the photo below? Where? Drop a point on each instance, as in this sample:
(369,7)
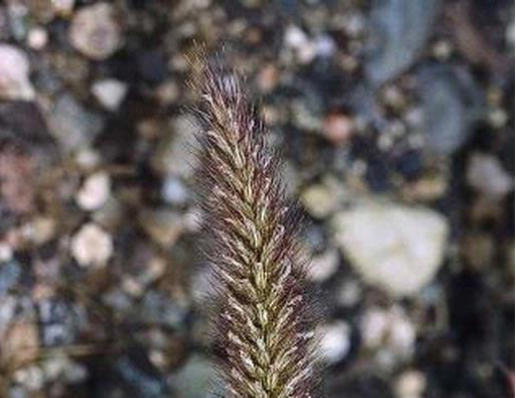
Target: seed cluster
(263,328)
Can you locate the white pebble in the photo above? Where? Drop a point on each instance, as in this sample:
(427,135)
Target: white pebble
(110,93)
(94,192)
(30,377)
(394,247)
(91,246)
(37,38)
(335,341)
(295,37)
(323,266)
(410,384)
(325,46)
(94,32)
(486,174)
(14,74)
(389,332)
(174,191)
(63,7)
(6,251)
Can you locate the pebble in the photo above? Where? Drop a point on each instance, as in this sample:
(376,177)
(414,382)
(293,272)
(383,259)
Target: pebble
(486,175)
(389,333)
(20,343)
(197,379)
(72,125)
(14,74)
(37,38)
(91,246)
(338,128)
(95,191)
(163,226)
(110,93)
(41,230)
(176,152)
(59,322)
(410,384)
(17,188)
(323,266)
(268,78)
(62,366)
(335,341)
(324,46)
(159,309)
(174,191)
(319,200)
(6,251)
(451,104)
(400,31)
(31,377)
(63,7)
(392,246)
(304,48)
(349,293)
(295,37)
(94,32)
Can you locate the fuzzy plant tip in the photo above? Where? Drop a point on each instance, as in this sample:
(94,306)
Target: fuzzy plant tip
(263,323)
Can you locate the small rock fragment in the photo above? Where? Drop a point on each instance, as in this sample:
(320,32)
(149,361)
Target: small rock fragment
(389,333)
(394,247)
(338,128)
(319,201)
(16,180)
(14,74)
(94,192)
(20,343)
(410,384)
(195,378)
(323,266)
(174,191)
(63,7)
(91,246)
(451,102)
(110,93)
(164,227)
(72,125)
(58,320)
(94,32)
(37,38)
(335,341)
(175,154)
(486,175)
(268,78)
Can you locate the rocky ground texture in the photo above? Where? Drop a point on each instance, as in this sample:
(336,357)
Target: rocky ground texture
(397,125)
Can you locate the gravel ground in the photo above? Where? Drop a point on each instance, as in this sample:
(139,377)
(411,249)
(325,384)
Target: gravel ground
(397,125)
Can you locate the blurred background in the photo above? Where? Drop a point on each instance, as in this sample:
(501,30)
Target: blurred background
(396,119)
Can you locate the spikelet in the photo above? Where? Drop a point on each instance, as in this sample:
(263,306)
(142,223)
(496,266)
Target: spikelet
(262,318)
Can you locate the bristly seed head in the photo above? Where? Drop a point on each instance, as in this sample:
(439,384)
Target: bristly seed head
(263,325)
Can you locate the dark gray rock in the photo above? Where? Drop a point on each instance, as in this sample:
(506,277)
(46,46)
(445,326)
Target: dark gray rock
(451,102)
(22,123)
(400,29)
